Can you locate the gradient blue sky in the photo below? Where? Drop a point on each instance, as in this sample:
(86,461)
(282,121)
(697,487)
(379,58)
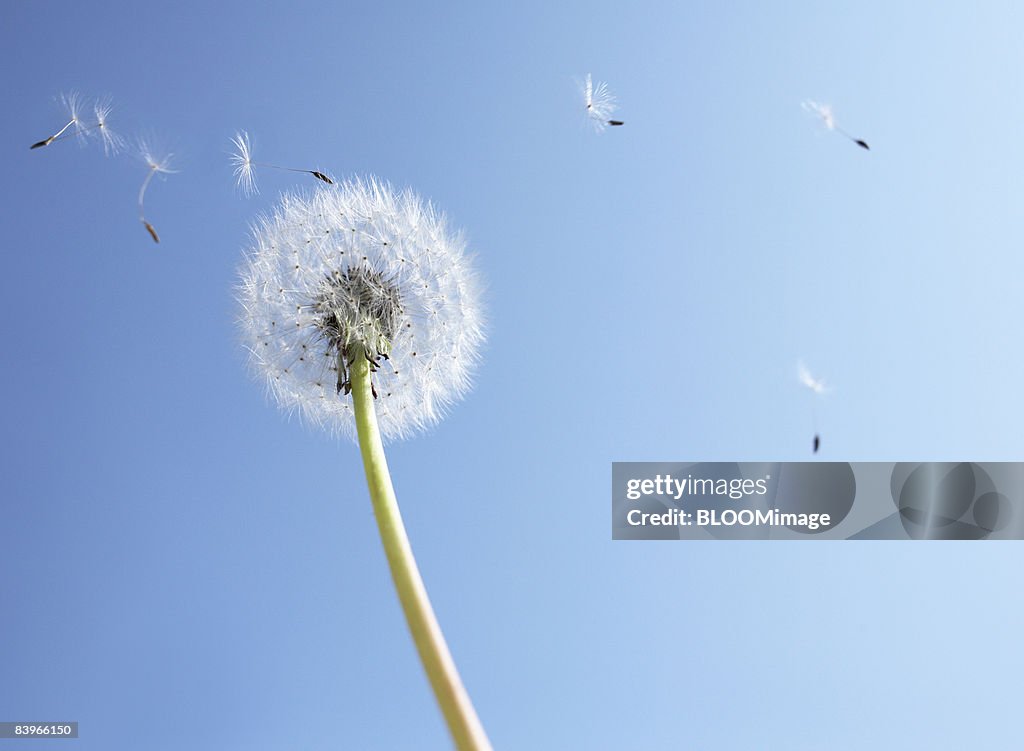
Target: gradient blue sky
(181,566)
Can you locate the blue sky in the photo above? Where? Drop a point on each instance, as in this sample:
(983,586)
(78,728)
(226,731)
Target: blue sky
(183,566)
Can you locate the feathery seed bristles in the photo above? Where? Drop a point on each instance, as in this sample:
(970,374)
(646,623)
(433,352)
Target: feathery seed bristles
(358,269)
(809,381)
(600,104)
(112,142)
(822,111)
(155,163)
(243,162)
(72,103)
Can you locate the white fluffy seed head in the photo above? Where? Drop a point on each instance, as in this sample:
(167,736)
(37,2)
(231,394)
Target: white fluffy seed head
(361,230)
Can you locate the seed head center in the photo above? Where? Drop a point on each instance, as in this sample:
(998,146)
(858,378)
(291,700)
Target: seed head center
(358,312)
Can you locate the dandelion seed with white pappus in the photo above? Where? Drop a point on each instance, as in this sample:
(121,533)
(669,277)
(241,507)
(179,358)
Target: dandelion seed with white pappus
(73,105)
(599,103)
(824,113)
(155,164)
(818,388)
(243,162)
(360,310)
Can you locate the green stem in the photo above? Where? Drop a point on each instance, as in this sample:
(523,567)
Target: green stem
(456,706)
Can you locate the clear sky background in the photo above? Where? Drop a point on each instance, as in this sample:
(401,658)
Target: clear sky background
(182,566)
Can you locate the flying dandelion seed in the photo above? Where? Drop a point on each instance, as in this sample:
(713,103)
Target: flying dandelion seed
(155,165)
(824,113)
(818,388)
(242,160)
(72,103)
(112,142)
(600,104)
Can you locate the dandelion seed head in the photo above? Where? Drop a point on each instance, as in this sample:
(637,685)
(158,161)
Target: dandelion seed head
(357,267)
(822,112)
(600,103)
(242,161)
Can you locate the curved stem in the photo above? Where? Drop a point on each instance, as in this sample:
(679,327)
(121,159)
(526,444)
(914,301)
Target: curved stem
(142,194)
(456,706)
